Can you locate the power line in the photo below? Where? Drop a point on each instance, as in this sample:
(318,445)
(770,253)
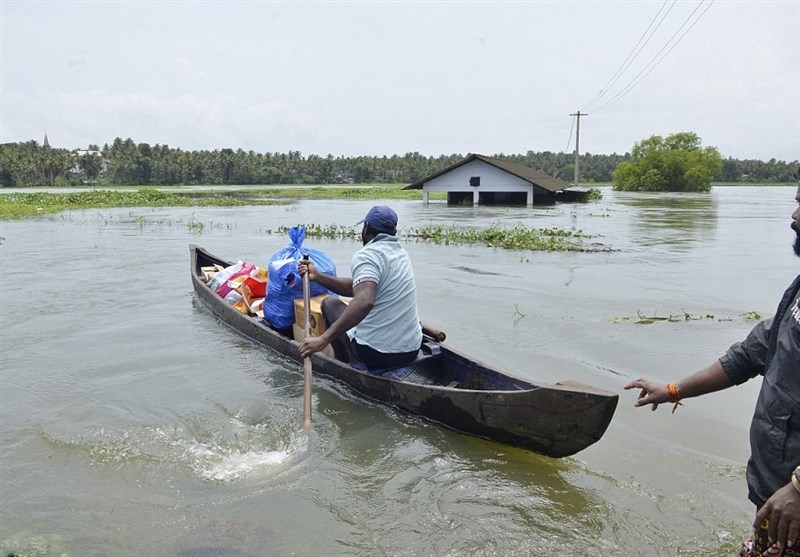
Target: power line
(634,53)
(569,140)
(655,60)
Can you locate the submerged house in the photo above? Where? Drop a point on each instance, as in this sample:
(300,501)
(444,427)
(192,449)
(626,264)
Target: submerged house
(480,180)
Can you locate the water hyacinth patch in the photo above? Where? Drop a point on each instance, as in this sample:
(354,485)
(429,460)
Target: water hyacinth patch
(21,205)
(496,236)
(516,237)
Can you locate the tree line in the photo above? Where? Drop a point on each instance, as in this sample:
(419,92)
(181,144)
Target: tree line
(125,162)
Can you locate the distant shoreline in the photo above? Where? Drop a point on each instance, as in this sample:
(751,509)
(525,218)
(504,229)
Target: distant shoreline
(279,188)
(23,202)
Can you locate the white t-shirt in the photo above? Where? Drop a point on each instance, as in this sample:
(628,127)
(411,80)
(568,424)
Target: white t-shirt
(392,326)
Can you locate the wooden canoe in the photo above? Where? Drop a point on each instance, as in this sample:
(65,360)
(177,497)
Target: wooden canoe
(447,387)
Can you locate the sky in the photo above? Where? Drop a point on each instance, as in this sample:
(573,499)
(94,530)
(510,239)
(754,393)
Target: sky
(384,78)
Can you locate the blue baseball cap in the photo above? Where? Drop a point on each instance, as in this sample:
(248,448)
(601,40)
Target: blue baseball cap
(382,219)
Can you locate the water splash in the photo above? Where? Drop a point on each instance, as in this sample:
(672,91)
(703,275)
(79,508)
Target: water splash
(213,450)
(214,463)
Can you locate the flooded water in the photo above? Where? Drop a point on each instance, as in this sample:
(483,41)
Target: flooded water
(133,423)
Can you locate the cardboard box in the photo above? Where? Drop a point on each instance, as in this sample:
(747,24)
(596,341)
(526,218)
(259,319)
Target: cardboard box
(317,322)
(300,334)
(209,272)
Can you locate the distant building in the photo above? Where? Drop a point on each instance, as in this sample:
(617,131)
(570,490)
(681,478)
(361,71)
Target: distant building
(480,180)
(82,163)
(46,142)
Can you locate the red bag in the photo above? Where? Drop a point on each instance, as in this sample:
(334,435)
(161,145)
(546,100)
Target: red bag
(225,287)
(257,287)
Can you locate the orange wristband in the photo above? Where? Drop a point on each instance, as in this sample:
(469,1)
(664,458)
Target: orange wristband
(675,394)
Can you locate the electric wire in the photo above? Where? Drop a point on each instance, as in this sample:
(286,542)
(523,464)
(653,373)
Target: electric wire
(655,60)
(569,139)
(633,54)
(645,71)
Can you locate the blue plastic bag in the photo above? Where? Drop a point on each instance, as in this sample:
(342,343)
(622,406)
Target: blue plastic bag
(285,283)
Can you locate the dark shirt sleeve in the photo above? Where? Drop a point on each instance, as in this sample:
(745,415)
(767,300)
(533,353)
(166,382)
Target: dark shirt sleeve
(744,360)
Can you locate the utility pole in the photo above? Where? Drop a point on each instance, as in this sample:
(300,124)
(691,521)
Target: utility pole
(577,145)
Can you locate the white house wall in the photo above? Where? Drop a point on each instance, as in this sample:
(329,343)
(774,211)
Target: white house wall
(492,180)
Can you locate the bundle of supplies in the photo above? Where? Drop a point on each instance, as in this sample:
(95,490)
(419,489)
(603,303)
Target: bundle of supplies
(285,283)
(243,285)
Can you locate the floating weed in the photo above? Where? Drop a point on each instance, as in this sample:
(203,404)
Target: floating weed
(683,316)
(594,193)
(195,225)
(198,227)
(25,544)
(139,221)
(366,191)
(21,205)
(330,231)
(516,237)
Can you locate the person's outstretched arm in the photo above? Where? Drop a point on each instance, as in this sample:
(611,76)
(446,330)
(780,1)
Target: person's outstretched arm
(708,380)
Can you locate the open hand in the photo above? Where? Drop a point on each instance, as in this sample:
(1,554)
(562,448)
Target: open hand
(652,393)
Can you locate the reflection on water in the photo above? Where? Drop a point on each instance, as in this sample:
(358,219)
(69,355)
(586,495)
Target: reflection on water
(671,218)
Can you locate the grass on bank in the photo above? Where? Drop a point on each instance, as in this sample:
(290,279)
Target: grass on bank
(338,192)
(21,205)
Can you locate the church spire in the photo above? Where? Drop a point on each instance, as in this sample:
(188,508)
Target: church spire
(46,142)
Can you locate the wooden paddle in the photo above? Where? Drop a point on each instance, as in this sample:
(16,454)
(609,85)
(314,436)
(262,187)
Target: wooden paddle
(307,359)
(435,334)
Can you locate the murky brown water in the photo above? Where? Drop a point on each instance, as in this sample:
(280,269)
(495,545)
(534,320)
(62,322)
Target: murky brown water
(133,423)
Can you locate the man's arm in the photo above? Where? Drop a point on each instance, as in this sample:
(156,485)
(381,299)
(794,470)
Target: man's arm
(708,380)
(354,313)
(342,286)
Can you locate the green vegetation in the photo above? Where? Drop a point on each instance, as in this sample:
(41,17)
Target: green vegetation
(674,163)
(369,191)
(496,236)
(125,162)
(20,205)
(517,237)
(642,319)
(25,544)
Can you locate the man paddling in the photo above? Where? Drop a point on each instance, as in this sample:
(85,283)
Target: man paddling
(380,326)
(772,349)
